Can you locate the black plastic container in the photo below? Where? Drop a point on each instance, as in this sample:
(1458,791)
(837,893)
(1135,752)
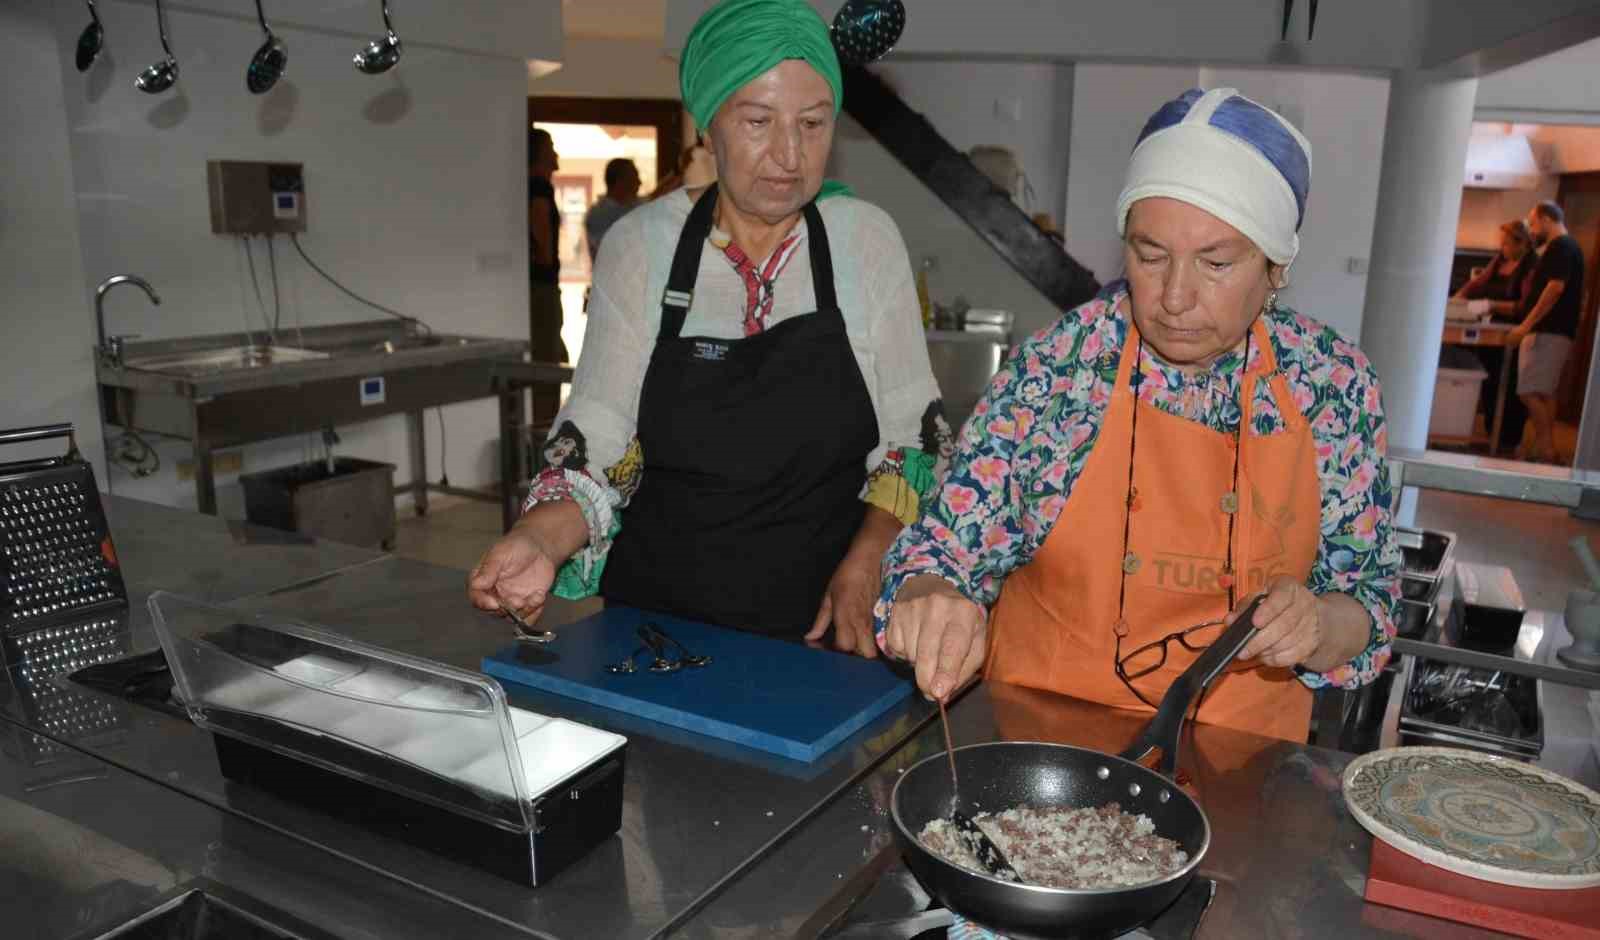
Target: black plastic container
(1488,608)
(570,818)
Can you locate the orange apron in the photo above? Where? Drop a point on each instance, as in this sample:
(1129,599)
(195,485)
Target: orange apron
(1052,627)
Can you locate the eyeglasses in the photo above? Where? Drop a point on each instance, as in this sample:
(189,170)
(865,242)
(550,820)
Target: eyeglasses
(1152,656)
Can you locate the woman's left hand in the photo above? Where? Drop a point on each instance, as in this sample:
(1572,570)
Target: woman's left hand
(847,604)
(1289,627)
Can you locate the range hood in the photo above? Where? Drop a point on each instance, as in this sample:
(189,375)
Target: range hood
(1501,161)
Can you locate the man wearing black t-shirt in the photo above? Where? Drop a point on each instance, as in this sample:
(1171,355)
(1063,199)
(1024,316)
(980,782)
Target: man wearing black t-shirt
(1545,335)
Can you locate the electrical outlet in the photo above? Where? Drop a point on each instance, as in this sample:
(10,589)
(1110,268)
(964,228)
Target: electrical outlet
(223,463)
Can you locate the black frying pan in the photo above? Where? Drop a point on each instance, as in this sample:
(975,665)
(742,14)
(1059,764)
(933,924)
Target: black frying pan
(1004,774)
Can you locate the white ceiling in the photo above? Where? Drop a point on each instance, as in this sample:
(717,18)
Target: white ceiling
(615,19)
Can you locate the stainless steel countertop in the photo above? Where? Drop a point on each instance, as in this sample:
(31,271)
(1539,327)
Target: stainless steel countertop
(695,811)
(351,353)
(715,842)
(88,846)
(1289,859)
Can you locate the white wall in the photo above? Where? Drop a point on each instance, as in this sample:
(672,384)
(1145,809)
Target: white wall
(1574,149)
(610,68)
(1341,114)
(1563,87)
(415,182)
(1110,104)
(1483,211)
(967,265)
(45,336)
(1023,106)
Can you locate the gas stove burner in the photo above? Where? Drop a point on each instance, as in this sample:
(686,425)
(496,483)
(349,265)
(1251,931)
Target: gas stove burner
(895,907)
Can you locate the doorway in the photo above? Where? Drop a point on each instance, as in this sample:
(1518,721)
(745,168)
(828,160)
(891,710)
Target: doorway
(588,133)
(1562,165)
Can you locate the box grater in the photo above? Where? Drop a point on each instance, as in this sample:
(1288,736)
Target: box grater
(56,557)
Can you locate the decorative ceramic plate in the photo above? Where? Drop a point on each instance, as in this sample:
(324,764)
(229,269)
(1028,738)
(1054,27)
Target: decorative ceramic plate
(1485,817)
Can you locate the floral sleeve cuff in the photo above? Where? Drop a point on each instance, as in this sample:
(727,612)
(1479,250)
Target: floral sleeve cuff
(903,565)
(1380,600)
(580,576)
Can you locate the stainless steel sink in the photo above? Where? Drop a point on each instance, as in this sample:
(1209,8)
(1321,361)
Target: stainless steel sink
(211,361)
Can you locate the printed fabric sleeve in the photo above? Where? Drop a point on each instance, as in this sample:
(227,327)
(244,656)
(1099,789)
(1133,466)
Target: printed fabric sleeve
(1358,555)
(915,443)
(971,533)
(596,427)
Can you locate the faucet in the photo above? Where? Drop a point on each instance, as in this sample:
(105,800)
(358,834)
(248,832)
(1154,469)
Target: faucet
(111,347)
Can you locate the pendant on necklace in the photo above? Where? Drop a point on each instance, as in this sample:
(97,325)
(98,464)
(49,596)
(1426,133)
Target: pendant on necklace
(1230,503)
(1120,628)
(1130,563)
(1133,499)
(1225,578)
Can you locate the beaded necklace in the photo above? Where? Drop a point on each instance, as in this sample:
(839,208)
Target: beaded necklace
(1229,502)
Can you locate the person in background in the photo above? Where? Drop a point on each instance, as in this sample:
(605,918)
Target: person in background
(1544,337)
(622,194)
(1498,290)
(697,169)
(754,417)
(544,266)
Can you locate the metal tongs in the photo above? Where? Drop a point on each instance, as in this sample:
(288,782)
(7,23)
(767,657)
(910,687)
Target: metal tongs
(656,641)
(527,632)
(661,639)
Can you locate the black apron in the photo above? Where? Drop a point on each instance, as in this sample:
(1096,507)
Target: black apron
(755,454)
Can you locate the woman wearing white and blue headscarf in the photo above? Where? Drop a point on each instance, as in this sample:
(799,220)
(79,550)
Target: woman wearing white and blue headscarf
(1141,469)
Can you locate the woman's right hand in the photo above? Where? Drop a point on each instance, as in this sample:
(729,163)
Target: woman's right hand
(516,572)
(942,633)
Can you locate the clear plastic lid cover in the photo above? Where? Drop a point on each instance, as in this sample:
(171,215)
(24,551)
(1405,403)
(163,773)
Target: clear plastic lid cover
(428,730)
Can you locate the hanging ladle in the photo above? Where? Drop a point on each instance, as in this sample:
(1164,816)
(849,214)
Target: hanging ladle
(89,40)
(266,66)
(865,30)
(161,76)
(380,55)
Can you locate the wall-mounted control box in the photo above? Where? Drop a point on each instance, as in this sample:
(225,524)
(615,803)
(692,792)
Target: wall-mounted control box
(255,198)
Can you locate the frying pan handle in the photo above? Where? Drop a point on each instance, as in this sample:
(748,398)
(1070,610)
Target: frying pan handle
(1163,730)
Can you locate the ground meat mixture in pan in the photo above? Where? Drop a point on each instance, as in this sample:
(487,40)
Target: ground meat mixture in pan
(1066,848)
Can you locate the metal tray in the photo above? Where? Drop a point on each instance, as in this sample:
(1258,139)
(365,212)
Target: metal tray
(1525,693)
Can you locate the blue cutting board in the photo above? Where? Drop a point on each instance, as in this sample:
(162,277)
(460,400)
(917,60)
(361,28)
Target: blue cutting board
(780,697)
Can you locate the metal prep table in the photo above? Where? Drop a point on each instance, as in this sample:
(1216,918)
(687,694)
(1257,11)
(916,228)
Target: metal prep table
(715,841)
(216,408)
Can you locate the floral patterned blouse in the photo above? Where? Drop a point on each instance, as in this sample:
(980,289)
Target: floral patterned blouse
(1014,468)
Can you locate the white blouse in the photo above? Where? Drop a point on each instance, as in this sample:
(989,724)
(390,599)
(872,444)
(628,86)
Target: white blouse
(877,298)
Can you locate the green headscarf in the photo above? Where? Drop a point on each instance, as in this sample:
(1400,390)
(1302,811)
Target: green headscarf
(737,40)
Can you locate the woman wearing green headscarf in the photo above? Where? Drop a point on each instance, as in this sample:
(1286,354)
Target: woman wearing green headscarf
(754,417)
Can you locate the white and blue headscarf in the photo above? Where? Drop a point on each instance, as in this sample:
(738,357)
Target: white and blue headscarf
(1219,151)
